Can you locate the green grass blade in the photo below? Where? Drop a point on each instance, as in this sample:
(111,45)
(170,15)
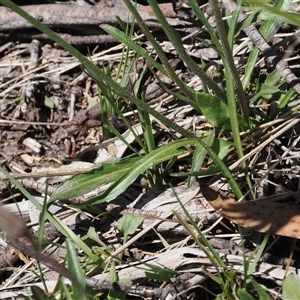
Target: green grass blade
(233,114)
(258,255)
(277,12)
(199,14)
(76,274)
(235,125)
(233,24)
(160,52)
(157,156)
(229,65)
(267,30)
(145,120)
(244,295)
(121,37)
(42,219)
(64,290)
(262,293)
(176,41)
(223,277)
(83,183)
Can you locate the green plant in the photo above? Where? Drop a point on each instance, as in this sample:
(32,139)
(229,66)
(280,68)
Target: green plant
(226,108)
(290,287)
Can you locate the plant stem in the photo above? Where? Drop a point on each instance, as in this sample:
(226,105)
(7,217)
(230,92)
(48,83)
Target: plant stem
(229,59)
(176,41)
(160,52)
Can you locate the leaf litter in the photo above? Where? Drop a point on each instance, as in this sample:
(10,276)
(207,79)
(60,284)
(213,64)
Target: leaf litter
(48,121)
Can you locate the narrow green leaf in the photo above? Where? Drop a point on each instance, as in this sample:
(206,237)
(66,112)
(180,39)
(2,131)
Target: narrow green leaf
(215,110)
(262,294)
(267,30)
(42,219)
(159,50)
(76,273)
(272,78)
(258,255)
(279,15)
(175,38)
(286,99)
(200,153)
(234,116)
(121,36)
(85,182)
(64,290)
(157,156)
(231,73)
(194,232)
(233,22)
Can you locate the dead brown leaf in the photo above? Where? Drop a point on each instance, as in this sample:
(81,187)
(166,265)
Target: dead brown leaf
(278,218)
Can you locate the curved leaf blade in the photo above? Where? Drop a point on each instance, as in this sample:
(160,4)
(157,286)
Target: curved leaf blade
(83,183)
(157,156)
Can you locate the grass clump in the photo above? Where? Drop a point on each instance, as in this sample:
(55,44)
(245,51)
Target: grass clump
(230,102)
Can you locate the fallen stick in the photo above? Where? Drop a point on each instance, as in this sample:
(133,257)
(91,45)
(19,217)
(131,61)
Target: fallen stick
(70,15)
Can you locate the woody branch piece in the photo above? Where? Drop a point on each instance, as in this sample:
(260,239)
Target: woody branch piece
(70,15)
